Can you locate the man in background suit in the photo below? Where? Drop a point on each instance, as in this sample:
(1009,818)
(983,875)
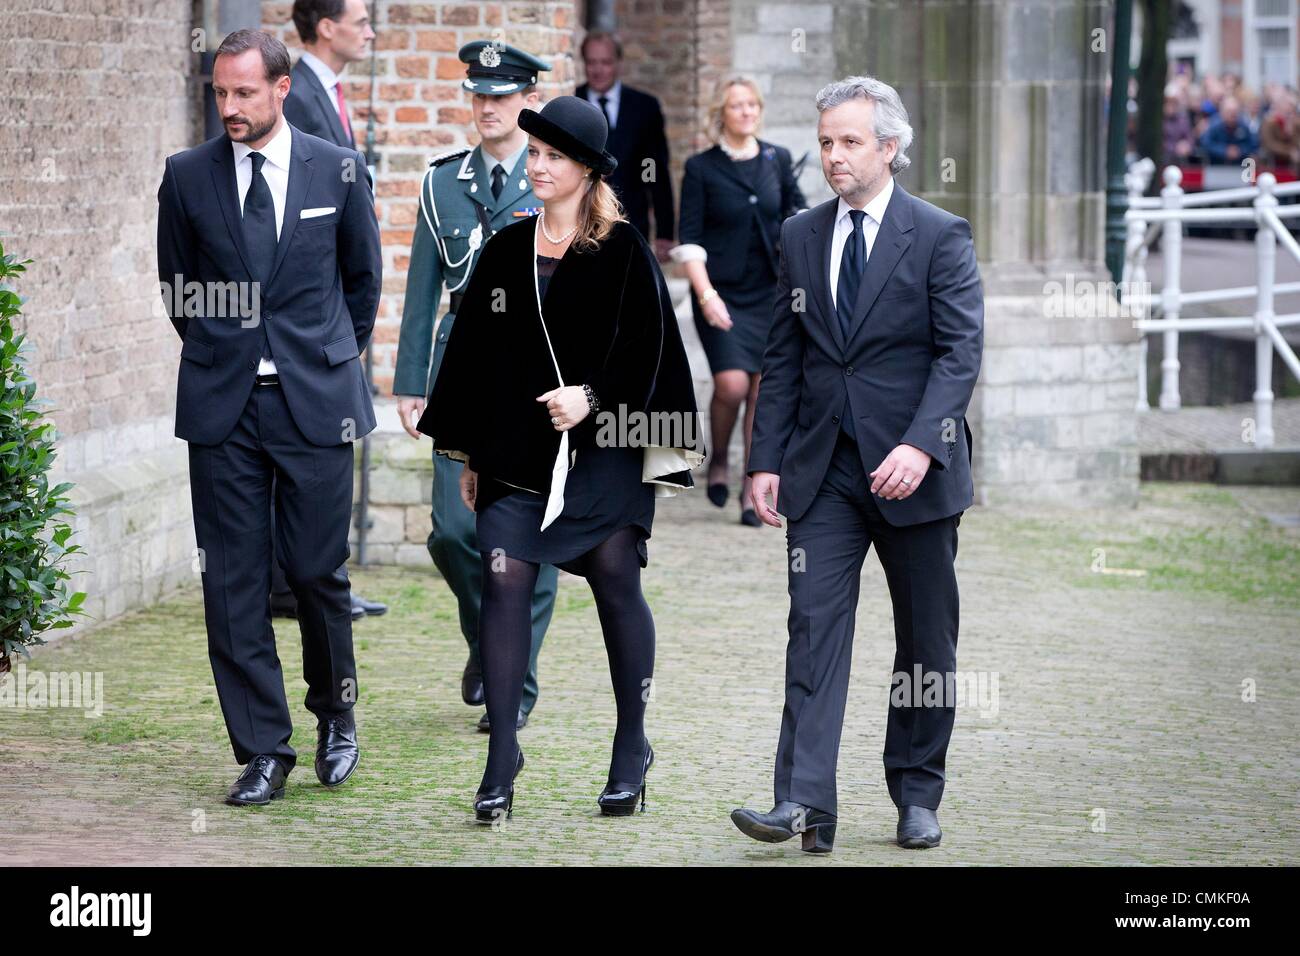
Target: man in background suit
(860,437)
(334,33)
(636,134)
(268,215)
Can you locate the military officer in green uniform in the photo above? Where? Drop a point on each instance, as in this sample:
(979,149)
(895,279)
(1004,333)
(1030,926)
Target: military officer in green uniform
(466,195)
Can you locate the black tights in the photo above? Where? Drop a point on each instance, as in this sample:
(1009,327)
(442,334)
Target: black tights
(613,570)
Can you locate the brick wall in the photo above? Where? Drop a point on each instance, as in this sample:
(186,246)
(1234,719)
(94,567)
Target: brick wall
(420,110)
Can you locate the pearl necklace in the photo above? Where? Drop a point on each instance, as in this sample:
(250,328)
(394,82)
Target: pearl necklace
(749,151)
(541,221)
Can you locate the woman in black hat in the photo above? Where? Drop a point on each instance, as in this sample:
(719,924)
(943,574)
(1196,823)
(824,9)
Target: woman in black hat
(566,391)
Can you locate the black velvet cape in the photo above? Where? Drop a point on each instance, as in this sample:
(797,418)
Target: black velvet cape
(611,326)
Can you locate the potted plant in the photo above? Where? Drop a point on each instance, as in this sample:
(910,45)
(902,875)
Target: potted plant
(34,531)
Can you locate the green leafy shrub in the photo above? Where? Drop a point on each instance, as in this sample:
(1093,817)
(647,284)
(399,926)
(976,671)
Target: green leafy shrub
(34,532)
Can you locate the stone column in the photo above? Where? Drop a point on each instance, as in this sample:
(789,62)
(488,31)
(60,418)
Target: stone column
(1007,103)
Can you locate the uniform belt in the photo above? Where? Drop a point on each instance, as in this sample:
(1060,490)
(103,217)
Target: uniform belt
(272,379)
(456,299)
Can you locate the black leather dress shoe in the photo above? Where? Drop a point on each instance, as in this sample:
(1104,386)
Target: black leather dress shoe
(485,723)
(785,820)
(918,827)
(373,608)
(336,749)
(471,684)
(261,782)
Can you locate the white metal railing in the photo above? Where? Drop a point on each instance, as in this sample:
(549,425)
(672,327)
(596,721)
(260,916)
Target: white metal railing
(1165,215)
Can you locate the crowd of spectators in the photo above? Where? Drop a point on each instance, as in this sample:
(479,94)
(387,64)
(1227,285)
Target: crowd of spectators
(1218,120)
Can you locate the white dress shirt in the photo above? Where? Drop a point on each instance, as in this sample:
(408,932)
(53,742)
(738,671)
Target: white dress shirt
(614,94)
(875,215)
(276,173)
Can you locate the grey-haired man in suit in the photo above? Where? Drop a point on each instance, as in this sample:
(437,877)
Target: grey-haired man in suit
(860,436)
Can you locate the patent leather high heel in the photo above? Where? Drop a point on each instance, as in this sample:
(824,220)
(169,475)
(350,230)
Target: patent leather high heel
(489,803)
(620,799)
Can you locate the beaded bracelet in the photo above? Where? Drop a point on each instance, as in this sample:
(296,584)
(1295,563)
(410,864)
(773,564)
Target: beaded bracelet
(593,403)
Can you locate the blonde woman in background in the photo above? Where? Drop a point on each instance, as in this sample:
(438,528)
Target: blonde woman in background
(735,195)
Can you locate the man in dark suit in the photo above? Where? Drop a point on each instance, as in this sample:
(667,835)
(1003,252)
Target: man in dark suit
(334,33)
(860,437)
(636,134)
(269,216)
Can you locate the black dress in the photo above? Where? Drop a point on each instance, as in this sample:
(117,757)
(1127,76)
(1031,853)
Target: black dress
(603,492)
(748,300)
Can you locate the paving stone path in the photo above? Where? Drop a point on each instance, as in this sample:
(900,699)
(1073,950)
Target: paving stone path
(1119,732)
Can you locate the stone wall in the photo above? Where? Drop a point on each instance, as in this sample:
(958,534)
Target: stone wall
(94,95)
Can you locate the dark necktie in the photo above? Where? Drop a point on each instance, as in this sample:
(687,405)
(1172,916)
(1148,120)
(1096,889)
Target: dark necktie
(852,260)
(259,229)
(604,108)
(498,180)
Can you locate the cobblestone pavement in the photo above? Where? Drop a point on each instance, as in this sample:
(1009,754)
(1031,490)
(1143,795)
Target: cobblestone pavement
(1214,428)
(1118,733)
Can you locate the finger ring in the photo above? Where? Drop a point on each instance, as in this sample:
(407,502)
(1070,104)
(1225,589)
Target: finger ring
(555,421)
(907,481)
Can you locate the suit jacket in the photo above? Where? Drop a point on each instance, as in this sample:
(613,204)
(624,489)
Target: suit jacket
(310,108)
(317,308)
(639,136)
(612,326)
(905,374)
(720,210)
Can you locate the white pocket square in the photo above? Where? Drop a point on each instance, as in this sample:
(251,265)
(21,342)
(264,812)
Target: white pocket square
(319,211)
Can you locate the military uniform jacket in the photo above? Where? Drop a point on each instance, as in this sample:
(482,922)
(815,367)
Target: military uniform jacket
(450,232)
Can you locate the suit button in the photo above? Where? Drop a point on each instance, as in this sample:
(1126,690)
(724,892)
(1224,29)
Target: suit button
(252,363)
(835,419)
(849,370)
(268,316)
(753,199)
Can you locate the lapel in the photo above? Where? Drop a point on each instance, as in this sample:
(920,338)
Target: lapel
(818,254)
(473,170)
(723,164)
(891,242)
(327,106)
(227,190)
(300,172)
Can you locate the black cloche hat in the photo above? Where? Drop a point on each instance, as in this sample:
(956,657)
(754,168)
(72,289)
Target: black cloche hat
(575,127)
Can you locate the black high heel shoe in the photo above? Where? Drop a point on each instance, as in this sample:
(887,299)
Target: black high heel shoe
(619,799)
(489,803)
(718,493)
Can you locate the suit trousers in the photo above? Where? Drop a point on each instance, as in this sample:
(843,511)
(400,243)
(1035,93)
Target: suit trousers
(826,549)
(453,545)
(231,485)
